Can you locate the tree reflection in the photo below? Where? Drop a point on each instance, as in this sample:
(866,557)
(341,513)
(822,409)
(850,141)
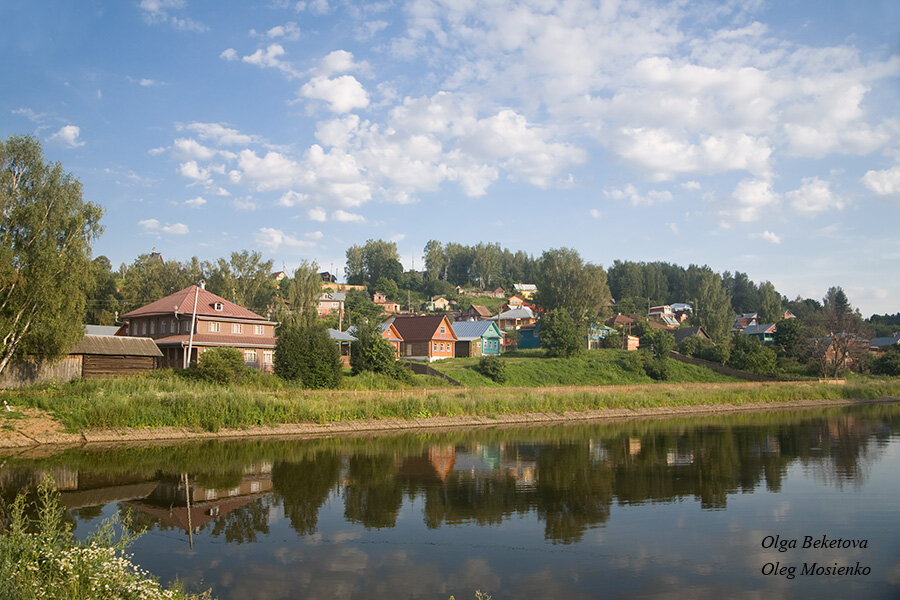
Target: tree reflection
(304,486)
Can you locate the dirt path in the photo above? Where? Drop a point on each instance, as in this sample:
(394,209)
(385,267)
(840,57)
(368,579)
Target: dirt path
(33,427)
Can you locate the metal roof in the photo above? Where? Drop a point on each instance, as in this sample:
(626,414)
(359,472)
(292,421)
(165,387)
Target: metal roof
(758,329)
(101,329)
(885,341)
(183,303)
(517,313)
(340,336)
(419,328)
(471,330)
(108,345)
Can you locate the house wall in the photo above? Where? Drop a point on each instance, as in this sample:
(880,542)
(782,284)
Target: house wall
(96,366)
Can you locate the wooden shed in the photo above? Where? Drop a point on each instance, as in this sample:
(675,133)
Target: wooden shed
(108,356)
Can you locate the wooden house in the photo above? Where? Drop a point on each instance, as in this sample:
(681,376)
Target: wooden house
(477,338)
(476,312)
(515,318)
(427,338)
(764,332)
(686,332)
(390,333)
(331,302)
(195,319)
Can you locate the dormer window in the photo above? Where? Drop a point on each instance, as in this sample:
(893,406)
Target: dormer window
(218,306)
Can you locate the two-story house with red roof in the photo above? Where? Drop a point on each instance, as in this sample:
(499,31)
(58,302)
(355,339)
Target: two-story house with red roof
(215,322)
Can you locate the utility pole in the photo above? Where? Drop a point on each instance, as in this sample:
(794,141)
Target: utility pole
(187,358)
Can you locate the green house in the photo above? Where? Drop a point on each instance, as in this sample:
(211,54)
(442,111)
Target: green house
(477,338)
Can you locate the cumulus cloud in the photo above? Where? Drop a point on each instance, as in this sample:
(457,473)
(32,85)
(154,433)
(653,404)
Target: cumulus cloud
(192,170)
(631,194)
(342,94)
(883,183)
(162,11)
(68,136)
(154,226)
(753,199)
(343,216)
(196,202)
(229,54)
(767,236)
(317,214)
(219,134)
(813,197)
(340,61)
(273,239)
(289,31)
(270,58)
(292,198)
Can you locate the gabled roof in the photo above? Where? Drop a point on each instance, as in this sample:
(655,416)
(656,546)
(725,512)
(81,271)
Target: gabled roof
(415,329)
(517,313)
(340,336)
(467,331)
(332,297)
(482,311)
(759,329)
(183,302)
(619,319)
(686,332)
(881,342)
(101,329)
(110,345)
(392,335)
(525,287)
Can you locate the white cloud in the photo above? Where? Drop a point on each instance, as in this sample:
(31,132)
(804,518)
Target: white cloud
(673,227)
(273,239)
(219,134)
(68,136)
(317,214)
(145,82)
(753,198)
(192,170)
(692,186)
(271,172)
(595,213)
(244,204)
(342,94)
(154,226)
(630,193)
(314,235)
(229,54)
(292,198)
(340,61)
(158,11)
(196,202)
(270,58)
(347,217)
(883,183)
(29,114)
(289,31)
(814,196)
(768,236)
(187,148)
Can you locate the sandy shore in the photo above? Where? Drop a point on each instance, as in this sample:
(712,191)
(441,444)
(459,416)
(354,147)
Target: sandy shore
(37,428)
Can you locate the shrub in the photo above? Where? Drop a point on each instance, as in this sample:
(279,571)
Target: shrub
(719,353)
(306,354)
(371,352)
(221,365)
(657,368)
(888,363)
(634,361)
(748,354)
(612,340)
(559,335)
(660,342)
(493,368)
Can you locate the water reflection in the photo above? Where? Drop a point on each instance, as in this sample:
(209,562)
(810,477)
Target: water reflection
(567,480)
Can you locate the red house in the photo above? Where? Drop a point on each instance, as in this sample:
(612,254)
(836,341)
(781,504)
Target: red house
(390,333)
(218,322)
(425,338)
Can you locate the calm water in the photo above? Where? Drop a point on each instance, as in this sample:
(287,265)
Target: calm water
(674,509)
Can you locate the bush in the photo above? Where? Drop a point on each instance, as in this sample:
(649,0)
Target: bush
(748,354)
(371,352)
(493,368)
(660,342)
(559,335)
(888,363)
(657,368)
(719,353)
(612,340)
(306,354)
(634,361)
(221,365)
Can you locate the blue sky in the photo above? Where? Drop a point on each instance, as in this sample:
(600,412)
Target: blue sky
(754,136)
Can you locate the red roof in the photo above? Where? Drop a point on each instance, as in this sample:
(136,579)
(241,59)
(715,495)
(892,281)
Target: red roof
(214,339)
(414,329)
(183,303)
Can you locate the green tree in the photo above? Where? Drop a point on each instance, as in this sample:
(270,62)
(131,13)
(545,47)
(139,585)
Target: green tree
(487,262)
(388,287)
(565,281)
(356,266)
(770,307)
(150,278)
(788,337)
(435,260)
(712,307)
(373,353)
(222,365)
(244,279)
(304,353)
(103,299)
(748,354)
(302,292)
(46,232)
(559,334)
(359,308)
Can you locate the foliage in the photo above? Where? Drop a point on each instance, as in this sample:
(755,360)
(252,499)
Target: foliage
(304,353)
(712,307)
(770,307)
(660,342)
(40,558)
(46,229)
(888,363)
(657,368)
(222,365)
(103,298)
(359,308)
(493,368)
(245,279)
(388,287)
(613,339)
(564,281)
(559,334)
(301,293)
(376,259)
(373,353)
(789,337)
(749,354)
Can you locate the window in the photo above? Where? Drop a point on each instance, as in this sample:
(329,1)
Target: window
(443,329)
(218,306)
(143,327)
(259,330)
(435,346)
(237,328)
(213,327)
(254,487)
(163,326)
(268,357)
(152,327)
(186,327)
(250,357)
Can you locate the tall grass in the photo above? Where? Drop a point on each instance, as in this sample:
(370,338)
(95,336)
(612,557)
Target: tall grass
(40,558)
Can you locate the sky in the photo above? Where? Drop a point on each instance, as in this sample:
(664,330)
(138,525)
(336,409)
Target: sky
(755,136)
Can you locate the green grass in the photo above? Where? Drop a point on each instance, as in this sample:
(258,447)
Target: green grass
(528,368)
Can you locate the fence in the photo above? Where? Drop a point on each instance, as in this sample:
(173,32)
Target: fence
(24,372)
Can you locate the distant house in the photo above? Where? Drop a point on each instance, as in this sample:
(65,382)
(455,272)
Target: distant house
(497,292)
(745,320)
(765,333)
(426,338)
(597,333)
(330,302)
(525,290)
(218,323)
(277,276)
(788,315)
(344,340)
(390,333)
(328,277)
(437,303)
(477,338)
(527,337)
(385,304)
(880,344)
(515,318)
(515,301)
(686,332)
(476,312)
(620,321)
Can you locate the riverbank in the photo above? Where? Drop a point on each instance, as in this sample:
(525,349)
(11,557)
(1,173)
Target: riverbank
(339,413)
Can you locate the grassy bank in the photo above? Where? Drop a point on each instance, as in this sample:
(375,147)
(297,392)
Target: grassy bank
(162,400)
(528,368)
(40,558)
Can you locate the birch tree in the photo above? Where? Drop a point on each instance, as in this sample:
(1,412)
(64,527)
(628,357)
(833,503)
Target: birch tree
(46,229)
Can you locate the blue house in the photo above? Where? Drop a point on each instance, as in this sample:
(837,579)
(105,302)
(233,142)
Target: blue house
(529,337)
(477,338)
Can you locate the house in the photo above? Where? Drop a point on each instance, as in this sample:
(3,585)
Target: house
(527,337)
(328,277)
(597,333)
(99,354)
(477,338)
(426,338)
(788,315)
(344,340)
(880,344)
(385,304)
(744,320)
(476,312)
(187,323)
(497,292)
(390,333)
(765,333)
(621,322)
(525,290)
(437,303)
(330,302)
(515,301)
(278,276)
(686,332)
(515,318)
